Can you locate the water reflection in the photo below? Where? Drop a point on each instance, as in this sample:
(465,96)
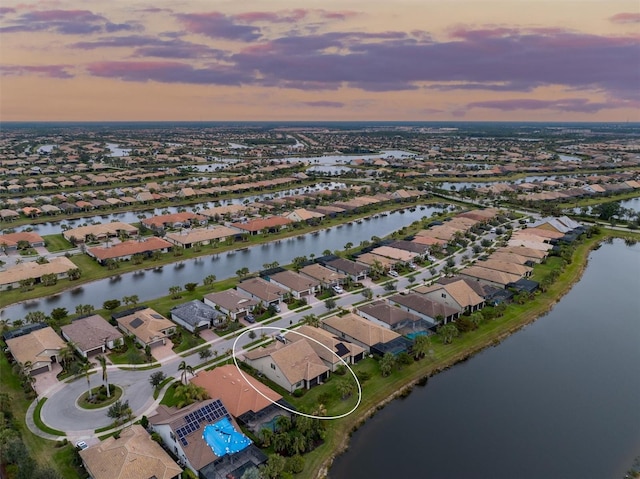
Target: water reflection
(225,266)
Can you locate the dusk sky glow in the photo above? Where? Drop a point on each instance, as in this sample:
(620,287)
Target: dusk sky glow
(418,60)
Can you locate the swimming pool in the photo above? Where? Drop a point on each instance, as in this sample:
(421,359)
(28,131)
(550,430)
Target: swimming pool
(223,439)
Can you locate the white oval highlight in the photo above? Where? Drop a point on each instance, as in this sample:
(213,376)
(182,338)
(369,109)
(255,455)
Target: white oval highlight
(235,361)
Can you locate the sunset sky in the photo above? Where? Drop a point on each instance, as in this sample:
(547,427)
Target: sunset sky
(419,60)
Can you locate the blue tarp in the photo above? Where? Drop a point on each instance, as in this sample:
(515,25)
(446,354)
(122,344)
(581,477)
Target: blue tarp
(223,439)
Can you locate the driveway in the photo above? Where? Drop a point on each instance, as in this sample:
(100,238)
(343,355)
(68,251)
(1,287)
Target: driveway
(163,351)
(45,381)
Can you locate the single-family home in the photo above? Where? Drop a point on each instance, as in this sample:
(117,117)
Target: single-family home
(392,317)
(201,236)
(239,394)
(327,277)
(491,277)
(9,241)
(266,292)
(297,284)
(292,366)
(13,275)
(92,334)
(426,308)
(331,349)
(36,350)
(256,226)
(366,334)
(195,316)
(232,303)
(205,438)
(457,295)
(127,249)
(148,327)
(356,271)
(512,268)
(132,455)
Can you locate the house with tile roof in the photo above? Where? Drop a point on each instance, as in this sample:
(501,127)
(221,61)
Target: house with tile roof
(240,395)
(391,317)
(183,431)
(294,365)
(148,327)
(327,277)
(125,250)
(11,277)
(92,334)
(266,292)
(458,295)
(356,271)
(40,348)
(331,349)
(132,455)
(232,303)
(297,284)
(425,307)
(358,330)
(490,277)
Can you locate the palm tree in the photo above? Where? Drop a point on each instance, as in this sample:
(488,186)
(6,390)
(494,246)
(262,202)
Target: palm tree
(189,393)
(421,346)
(186,369)
(103,364)
(311,320)
(67,354)
(84,369)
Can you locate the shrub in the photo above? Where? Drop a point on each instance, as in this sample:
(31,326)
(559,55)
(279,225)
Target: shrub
(299,392)
(295,464)
(341,370)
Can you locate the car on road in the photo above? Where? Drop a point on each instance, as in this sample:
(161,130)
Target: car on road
(393,273)
(81,445)
(337,289)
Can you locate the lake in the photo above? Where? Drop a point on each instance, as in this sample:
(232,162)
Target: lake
(559,399)
(153,283)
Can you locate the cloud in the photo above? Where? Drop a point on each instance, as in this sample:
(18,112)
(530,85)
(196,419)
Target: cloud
(324,104)
(166,72)
(580,105)
(625,17)
(218,25)
(147,46)
(66,22)
(491,59)
(49,71)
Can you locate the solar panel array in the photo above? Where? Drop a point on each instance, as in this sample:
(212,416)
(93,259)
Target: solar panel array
(208,414)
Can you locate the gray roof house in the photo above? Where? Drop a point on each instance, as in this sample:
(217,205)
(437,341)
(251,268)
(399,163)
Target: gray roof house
(196,315)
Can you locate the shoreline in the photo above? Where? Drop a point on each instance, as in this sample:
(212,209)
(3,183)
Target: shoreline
(423,374)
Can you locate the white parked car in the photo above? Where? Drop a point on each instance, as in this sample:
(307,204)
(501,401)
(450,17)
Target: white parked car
(393,273)
(82,445)
(337,289)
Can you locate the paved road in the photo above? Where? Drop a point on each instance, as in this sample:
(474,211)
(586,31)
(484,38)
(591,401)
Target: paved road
(61,412)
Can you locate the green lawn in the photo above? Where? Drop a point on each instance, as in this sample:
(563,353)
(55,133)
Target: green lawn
(56,243)
(40,449)
(131,354)
(115,391)
(169,398)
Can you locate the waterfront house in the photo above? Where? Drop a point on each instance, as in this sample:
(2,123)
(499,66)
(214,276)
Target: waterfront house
(266,292)
(328,347)
(366,334)
(148,327)
(425,308)
(240,396)
(92,334)
(125,250)
(292,366)
(232,303)
(457,295)
(297,284)
(195,316)
(205,438)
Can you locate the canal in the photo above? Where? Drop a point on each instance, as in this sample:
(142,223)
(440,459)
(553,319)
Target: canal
(558,399)
(155,283)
